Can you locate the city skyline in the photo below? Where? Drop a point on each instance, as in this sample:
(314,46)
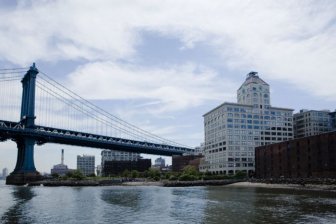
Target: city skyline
(162,70)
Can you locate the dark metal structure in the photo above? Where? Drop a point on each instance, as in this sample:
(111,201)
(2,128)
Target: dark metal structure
(26,134)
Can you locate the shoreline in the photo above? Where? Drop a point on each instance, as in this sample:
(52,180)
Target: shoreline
(310,187)
(249,183)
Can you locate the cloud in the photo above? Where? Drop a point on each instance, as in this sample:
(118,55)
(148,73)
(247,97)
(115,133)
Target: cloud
(164,89)
(291,41)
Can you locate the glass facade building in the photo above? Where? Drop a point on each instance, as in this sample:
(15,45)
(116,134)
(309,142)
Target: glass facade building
(233,130)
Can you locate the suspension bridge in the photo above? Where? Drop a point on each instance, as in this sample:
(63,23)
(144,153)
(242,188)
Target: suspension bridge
(51,113)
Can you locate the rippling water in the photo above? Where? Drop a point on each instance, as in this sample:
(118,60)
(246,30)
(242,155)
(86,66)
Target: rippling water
(150,204)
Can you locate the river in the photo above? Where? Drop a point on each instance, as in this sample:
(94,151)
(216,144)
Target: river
(152,204)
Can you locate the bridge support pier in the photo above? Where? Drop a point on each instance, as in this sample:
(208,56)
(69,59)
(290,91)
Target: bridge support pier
(25,171)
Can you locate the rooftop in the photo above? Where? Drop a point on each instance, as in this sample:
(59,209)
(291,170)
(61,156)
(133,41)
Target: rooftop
(253,77)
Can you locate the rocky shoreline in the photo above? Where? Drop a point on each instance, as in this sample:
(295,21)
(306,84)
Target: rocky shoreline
(199,183)
(295,183)
(81,183)
(76,183)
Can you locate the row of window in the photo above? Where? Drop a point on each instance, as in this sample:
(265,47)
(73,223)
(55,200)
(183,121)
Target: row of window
(241,152)
(262,141)
(266,126)
(250,116)
(223,165)
(222,111)
(243,121)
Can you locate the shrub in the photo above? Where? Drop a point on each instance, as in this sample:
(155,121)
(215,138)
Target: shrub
(153,173)
(172,177)
(186,177)
(216,177)
(76,174)
(126,173)
(190,170)
(135,174)
(240,175)
(55,175)
(145,174)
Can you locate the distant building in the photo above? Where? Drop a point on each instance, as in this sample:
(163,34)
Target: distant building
(99,170)
(113,155)
(4,173)
(233,130)
(199,150)
(160,163)
(311,122)
(60,169)
(86,164)
(333,120)
(313,156)
(117,156)
(117,167)
(179,162)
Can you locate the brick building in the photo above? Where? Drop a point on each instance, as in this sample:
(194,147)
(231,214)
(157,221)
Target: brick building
(313,156)
(179,162)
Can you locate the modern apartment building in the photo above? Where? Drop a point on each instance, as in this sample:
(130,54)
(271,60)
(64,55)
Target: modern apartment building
(311,122)
(86,164)
(233,130)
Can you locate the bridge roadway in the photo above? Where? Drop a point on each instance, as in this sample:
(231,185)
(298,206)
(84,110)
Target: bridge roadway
(13,130)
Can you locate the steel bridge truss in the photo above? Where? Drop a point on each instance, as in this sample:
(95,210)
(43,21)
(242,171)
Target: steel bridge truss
(13,130)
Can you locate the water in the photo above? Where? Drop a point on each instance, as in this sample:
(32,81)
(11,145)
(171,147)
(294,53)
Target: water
(151,204)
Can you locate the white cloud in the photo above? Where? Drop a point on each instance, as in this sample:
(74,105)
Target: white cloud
(292,41)
(173,89)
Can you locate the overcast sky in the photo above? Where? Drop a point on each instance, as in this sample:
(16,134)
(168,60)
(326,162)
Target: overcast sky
(162,64)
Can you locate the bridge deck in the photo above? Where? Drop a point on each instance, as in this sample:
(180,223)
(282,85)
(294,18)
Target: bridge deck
(42,135)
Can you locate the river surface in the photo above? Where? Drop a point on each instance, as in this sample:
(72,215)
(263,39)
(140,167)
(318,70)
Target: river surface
(152,204)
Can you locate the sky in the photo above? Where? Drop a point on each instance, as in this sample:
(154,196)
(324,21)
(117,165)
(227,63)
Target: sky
(161,65)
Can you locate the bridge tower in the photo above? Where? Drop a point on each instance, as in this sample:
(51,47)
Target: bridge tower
(25,170)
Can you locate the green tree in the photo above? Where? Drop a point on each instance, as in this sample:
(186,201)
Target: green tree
(76,174)
(154,173)
(187,177)
(126,173)
(145,174)
(92,175)
(135,174)
(190,170)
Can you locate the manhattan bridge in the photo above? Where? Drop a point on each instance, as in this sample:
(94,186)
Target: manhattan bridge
(40,110)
